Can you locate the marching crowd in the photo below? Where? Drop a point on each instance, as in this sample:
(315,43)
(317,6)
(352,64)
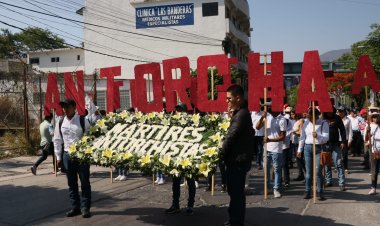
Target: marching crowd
(287,137)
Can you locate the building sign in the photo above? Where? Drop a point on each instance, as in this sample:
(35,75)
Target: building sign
(165,15)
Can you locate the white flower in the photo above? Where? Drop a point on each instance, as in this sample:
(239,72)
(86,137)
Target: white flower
(174,172)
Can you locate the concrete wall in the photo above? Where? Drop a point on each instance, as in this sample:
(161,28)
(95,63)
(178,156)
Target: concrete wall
(67,60)
(122,17)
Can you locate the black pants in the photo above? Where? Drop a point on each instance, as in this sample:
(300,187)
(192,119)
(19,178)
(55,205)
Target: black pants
(357,143)
(287,158)
(177,191)
(47,150)
(236,174)
(345,158)
(301,165)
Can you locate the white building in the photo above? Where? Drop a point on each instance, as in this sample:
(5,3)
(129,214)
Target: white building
(57,60)
(137,31)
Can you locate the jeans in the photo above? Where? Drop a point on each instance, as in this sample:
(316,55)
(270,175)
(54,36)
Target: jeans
(376,163)
(287,158)
(236,174)
(260,149)
(73,169)
(308,154)
(177,191)
(337,159)
(277,160)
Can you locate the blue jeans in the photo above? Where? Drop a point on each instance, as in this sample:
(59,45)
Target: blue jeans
(277,160)
(337,159)
(73,169)
(260,150)
(308,155)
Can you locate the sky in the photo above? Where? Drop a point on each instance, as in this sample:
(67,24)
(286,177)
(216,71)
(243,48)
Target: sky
(296,26)
(291,26)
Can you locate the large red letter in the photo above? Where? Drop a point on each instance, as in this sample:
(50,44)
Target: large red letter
(365,76)
(74,93)
(140,87)
(116,96)
(312,71)
(52,96)
(222,63)
(110,73)
(274,82)
(177,86)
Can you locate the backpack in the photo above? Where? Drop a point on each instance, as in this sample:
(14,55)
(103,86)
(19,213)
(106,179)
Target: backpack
(82,124)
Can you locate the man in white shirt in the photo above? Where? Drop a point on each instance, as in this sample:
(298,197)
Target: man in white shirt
(286,151)
(259,135)
(66,133)
(357,138)
(341,111)
(276,132)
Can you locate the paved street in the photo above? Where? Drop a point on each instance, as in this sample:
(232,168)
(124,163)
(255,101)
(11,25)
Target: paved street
(43,200)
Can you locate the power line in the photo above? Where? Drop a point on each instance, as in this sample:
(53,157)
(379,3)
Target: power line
(139,47)
(79,38)
(96,25)
(22,29)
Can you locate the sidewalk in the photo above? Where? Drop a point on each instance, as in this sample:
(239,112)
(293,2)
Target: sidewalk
(43,200)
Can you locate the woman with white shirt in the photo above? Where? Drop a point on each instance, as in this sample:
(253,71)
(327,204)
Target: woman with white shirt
(373,135)
(321,136)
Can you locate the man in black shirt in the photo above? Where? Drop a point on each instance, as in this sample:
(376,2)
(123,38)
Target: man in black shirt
(237,153)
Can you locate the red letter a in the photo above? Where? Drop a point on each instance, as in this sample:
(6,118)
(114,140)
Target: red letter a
(52,96)
(365,76)
(312,71)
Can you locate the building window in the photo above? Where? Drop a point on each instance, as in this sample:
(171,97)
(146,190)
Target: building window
(125,101)
(210,9)
(78,57)
(35,60)
(101,100)
(54,59)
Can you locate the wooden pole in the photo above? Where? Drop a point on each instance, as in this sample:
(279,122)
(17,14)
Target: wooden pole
(265,133)
(265,147)
(314,150)
(111,172)
(212,83)
(212,98)
(371,157)
(149,88)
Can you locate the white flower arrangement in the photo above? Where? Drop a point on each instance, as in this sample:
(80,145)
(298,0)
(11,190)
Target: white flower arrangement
(179,144)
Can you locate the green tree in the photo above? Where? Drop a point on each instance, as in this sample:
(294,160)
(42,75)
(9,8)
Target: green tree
(370,46)
(291,95)
(30,39)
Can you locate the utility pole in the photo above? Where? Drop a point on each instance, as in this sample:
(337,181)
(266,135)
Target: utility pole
(26,109)
(39,81)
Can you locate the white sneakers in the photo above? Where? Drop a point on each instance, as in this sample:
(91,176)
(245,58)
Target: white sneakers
(372,191)
(276,194)
(157,179)
(121,178)
(160,181)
